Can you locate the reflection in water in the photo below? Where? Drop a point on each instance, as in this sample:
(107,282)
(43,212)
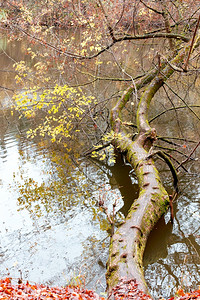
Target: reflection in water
(158,241)
(49,233)
(50,224)
(123,179)
(173,260)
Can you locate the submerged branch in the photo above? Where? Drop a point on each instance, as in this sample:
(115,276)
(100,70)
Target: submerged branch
(169,163)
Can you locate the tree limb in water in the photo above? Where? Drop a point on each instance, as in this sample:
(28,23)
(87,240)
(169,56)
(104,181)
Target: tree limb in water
(128,243)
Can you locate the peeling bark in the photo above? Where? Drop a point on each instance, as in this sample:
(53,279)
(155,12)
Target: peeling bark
(129,241)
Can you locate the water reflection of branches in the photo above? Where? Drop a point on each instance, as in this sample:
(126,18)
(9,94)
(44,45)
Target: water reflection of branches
(183,100)
(174,264)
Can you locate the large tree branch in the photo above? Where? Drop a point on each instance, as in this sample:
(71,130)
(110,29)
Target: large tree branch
(104,49)
(128,243)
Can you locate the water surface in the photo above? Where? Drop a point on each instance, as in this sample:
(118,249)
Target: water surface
(52,230)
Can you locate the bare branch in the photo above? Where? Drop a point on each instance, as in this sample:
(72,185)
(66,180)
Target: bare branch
(187,105)
(171,109)
(89,152)
(171,149)
(186,160)
(164,138)
(151,8)
(117,40)
(169,163)
(120,15)
(107,21)
(5,88)
(191,46)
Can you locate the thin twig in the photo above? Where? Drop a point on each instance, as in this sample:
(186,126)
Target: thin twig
(5,88)
(171,109)
(172,149)
(88,152)
(186,160)
(192,43)
(110,29)
(151,8)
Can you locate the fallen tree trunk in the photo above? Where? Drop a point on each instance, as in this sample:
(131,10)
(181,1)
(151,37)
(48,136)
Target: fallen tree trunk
(125,263)
(128,243)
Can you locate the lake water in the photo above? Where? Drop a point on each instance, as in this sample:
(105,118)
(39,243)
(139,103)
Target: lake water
(51,228)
